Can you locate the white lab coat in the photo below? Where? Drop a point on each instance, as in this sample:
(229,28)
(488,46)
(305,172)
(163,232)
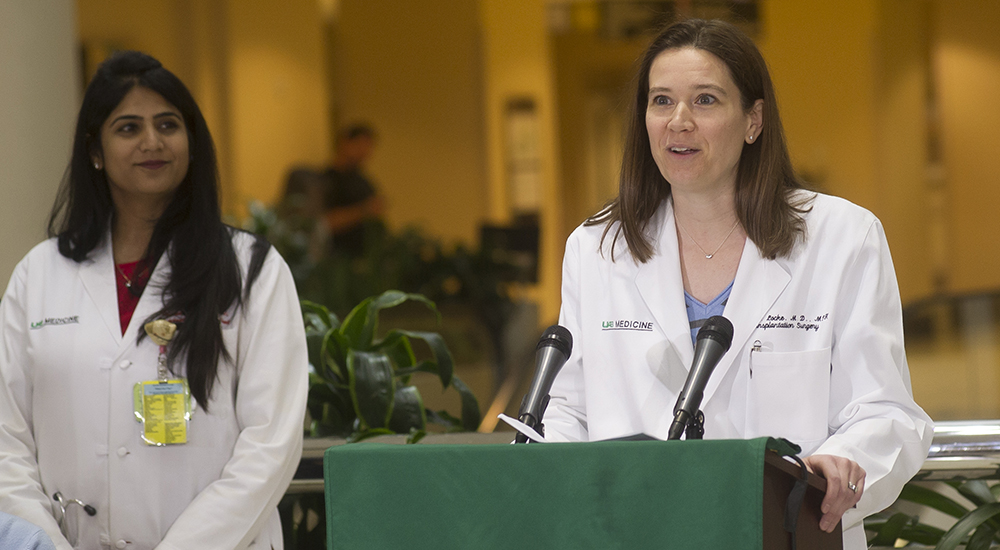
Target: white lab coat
(67,423)
(830,374)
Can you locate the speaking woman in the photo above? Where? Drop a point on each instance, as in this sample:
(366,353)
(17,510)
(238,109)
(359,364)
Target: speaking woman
(152,359)
(710,219)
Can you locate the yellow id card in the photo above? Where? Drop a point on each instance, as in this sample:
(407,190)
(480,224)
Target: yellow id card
(164,409)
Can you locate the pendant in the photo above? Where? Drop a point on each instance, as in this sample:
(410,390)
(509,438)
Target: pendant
(709,256)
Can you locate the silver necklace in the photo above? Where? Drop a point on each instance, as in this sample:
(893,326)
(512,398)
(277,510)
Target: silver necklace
(705,252)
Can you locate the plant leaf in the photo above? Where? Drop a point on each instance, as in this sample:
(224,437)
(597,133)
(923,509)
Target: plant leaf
(982,538)
(415,436)
(966,525)
(446,364)
(318,316)
(353,327)
(368,433)
(932,499)
(977,491)
(890,530)
(470,405)
(398,349)
(334,356)
(408,411)
(372,387)
(921,534)
(423,366)
(443,418)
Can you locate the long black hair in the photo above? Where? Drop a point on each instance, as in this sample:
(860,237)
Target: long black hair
(205,280)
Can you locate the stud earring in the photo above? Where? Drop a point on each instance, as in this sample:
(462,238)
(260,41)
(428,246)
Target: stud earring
(97,166)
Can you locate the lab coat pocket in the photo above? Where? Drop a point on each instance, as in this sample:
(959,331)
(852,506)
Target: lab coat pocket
(790,395)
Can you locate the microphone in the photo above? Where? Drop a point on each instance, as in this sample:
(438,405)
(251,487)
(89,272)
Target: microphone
(551,353)
(712,342)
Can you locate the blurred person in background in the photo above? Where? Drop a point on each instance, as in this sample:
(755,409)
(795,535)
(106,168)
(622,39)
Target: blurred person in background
(350,200)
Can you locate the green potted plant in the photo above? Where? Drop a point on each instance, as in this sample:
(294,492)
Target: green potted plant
(359,387)
(360,384)
(976,527)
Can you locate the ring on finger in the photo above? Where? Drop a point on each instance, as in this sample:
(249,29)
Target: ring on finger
(852,487)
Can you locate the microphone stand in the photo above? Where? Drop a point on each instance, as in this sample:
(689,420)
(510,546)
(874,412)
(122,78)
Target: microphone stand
(695,426)
(692,426)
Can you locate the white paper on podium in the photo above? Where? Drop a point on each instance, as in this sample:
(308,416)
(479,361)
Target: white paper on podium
(523,428)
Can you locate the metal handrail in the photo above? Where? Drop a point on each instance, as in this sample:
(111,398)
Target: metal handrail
(961,449)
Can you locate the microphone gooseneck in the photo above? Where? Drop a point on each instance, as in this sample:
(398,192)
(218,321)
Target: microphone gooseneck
(712,342)
(551,353)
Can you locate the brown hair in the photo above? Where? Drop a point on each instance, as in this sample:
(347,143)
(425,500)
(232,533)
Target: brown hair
(765,181)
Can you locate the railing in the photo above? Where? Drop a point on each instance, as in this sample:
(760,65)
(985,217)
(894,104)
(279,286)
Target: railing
(962,449)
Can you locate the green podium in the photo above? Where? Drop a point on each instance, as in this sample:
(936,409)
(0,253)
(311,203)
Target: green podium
(714,494)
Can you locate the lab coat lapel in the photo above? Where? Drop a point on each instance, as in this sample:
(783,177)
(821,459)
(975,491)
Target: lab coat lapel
(97,273)
(758,284)
(660,284)
(152,298)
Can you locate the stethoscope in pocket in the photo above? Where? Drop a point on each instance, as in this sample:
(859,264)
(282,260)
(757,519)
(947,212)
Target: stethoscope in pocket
(63,523)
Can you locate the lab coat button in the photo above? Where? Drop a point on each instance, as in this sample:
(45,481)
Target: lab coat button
(121,544)
(122,451)
(125,364)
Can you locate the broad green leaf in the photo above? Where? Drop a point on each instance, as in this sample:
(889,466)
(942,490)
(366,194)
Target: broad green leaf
(443,418)
(446,365)
(334,355)
(408,411)
(932,499)
(977,491)
(470,405)
(331,410)
(353,327)
(372,387)
(982,538)
(314,348)
(389,299)
(890,530)
(318,317)
(995,489)
(966,525)
(398,349)
(423,366)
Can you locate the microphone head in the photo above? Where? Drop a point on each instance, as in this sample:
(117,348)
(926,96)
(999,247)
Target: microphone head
(560,338)
(717,328)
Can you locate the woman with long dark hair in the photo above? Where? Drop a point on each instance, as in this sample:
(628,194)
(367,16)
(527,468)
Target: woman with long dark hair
(709,220)
(153,359)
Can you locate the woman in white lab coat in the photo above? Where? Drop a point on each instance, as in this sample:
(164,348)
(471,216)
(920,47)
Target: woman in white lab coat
(96,444)
(710,218)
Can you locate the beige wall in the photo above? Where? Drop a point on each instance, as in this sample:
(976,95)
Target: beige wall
(413,70)
(278,86)
(967,75)
(256,68)
(38,91)
(851,84)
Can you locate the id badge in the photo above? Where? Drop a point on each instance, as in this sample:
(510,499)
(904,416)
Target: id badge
(163,407)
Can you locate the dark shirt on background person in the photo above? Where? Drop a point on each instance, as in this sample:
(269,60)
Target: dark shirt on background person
(343,189)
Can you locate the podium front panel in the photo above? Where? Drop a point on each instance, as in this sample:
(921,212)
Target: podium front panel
(602,495)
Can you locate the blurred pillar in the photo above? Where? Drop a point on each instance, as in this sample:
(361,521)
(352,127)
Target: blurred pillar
(517,66)
(39,89)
